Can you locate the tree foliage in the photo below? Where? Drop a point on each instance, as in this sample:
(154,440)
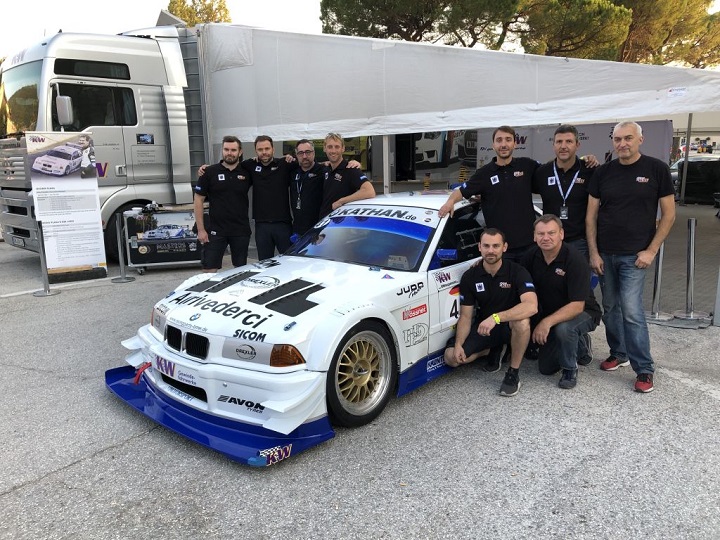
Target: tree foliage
(199,11)
(644,31)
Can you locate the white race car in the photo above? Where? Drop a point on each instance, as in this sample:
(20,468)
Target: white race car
(60,161)
(256,362)
(171,230)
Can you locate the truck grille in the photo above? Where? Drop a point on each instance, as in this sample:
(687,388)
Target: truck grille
(195,345)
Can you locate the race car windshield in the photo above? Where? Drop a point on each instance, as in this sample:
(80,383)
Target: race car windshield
(372,241)
(59,154)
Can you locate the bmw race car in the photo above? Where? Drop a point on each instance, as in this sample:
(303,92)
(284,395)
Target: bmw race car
(259,362)
(60,161)
(170,230)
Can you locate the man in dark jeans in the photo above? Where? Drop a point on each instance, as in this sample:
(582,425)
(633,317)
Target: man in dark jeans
(567,306)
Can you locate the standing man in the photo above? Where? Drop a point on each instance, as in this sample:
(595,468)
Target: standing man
(497,299)
(306,187)
(271,203)
(568,308)
(623,239)
(87,164)
(226,187)
(563,186)
(342,184)
(505,188)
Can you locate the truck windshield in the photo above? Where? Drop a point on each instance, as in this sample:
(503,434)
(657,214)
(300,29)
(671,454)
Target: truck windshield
(19,98)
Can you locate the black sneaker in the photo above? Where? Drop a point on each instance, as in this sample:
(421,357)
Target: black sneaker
(494,359)
(568,379)
(532,352)
(511,383)
(585,360)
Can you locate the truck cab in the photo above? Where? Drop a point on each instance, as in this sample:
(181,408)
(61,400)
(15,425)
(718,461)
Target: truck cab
(127,91)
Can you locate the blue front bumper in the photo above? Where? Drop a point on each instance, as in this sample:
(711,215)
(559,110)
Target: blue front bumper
(246,443)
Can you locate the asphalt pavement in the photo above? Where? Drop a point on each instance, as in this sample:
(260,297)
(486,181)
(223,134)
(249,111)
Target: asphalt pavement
(450,460)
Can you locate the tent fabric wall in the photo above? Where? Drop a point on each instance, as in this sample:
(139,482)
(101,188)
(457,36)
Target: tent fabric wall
(289,85)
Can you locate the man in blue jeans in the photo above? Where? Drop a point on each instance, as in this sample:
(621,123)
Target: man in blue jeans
(568,309)
(624,237)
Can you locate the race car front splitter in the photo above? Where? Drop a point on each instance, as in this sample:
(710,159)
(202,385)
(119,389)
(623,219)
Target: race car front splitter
(246,443)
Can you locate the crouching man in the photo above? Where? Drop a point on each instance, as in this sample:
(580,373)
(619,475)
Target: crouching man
(568,308)
(502,297)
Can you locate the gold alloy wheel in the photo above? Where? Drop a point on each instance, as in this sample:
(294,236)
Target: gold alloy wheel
(363,373)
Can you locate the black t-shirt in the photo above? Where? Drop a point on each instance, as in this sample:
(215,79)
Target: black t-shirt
(629,197)
(491,294)
(506,198)
(271,202)
(308,187)
(545,183)
(339,183)
(227,193)
(566,279)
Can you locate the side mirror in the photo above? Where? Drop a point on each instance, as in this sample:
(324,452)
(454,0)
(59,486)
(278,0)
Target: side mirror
(65,115)
(447,254)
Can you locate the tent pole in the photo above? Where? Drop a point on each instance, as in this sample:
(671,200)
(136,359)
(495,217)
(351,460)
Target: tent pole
(685,160)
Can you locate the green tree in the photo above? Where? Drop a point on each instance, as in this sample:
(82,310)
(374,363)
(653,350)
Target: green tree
(200,11)
(577,28)
(670,31)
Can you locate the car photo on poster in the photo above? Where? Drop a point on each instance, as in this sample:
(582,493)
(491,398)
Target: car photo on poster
(60,161)
(170,230)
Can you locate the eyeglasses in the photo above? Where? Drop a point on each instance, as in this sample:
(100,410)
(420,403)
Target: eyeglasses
(304,152)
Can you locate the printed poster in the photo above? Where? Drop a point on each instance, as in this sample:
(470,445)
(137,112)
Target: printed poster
(67,203)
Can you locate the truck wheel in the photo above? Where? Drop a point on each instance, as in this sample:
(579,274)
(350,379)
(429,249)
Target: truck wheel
(362,375)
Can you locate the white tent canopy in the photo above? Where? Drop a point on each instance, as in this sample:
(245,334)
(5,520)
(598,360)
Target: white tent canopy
(289,85)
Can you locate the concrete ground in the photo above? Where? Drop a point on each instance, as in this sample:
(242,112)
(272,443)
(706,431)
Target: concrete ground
(450,460)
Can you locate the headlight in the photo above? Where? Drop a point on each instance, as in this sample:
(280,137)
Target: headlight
(285,355)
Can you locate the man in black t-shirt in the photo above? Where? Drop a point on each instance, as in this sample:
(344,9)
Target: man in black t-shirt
(505,188)
(306,187)
(563,185)
(567,306)
(225,186)
(342,184)
(271,202)
(623,239)
(497,299)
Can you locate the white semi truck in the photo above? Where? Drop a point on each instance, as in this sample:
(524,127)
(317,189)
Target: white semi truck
(139,95)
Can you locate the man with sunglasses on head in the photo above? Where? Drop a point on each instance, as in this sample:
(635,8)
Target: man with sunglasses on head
(306,187)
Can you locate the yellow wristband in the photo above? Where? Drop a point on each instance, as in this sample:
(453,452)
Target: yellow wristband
(496,318)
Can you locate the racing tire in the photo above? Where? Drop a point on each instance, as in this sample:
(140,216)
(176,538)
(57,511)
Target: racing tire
(67,170)
(362,375)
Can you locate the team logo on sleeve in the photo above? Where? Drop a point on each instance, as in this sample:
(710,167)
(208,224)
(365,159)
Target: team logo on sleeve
(479,287)
(529,284)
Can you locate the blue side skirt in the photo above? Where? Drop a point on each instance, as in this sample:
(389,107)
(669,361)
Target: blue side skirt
(246,443)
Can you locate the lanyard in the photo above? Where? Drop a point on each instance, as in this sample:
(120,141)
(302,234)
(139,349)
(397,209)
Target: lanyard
(557,179)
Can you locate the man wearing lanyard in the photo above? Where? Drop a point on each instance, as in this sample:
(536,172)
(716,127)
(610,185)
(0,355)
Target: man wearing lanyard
(563,185)
(306,187)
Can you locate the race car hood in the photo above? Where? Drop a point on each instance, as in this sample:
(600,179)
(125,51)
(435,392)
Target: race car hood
(280,298)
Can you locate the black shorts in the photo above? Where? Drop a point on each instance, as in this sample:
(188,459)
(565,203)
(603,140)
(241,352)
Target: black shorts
(474,343)
(214,251)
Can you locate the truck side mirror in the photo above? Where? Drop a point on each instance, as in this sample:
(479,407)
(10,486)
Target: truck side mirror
(65,114)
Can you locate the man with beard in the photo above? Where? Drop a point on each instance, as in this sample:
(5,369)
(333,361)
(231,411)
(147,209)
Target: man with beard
(271,202)
(342,184)
(497,299)
(225,186)
(505,188)
(306,187)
